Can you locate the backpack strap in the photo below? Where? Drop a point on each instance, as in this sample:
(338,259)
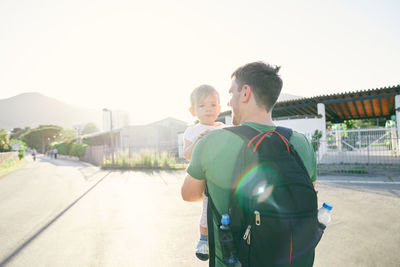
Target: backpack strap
(255,137)
(211,210)
(286,132)
(244,131)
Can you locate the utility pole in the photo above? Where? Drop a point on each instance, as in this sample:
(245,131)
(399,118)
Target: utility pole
(111,135)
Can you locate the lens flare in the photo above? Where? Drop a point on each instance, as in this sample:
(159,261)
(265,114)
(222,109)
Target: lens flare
(260,189)
(263,192)
(256,185)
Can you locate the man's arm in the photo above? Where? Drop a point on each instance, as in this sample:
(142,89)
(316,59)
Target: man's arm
(192,189)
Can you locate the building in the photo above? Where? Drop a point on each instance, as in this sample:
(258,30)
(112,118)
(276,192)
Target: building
(158,137)
(115,118)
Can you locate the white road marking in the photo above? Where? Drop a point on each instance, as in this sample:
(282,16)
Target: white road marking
(358,182)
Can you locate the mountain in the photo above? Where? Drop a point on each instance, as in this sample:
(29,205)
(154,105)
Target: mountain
(34,109)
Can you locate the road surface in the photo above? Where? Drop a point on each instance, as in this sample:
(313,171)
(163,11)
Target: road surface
(69,213)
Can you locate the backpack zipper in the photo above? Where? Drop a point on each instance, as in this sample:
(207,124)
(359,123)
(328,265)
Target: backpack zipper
(258,218)
(247,234)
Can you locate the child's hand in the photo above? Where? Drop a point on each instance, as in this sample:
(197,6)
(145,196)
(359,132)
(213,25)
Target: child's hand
(203,133)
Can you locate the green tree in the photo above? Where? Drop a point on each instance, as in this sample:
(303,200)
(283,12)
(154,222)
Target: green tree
(22,147)
(21,144)
(67,134)
(350,124)
(42,136)
(365,123)
(89,128)
(16,133)
(4,141)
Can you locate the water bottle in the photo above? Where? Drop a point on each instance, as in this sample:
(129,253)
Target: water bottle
(227,245)
(324,214)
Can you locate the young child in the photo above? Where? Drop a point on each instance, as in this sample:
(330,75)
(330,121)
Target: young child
(205,106)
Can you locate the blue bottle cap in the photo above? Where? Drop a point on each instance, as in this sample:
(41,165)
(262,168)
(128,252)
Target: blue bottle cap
(327,206)
(225,219)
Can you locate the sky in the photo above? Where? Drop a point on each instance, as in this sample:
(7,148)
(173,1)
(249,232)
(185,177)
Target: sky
(147,56)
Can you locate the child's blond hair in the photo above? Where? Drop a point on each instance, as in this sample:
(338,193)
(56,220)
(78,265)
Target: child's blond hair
(201,92)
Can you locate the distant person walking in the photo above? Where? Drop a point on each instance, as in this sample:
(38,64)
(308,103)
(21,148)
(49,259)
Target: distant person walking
(34,154)
(55,152)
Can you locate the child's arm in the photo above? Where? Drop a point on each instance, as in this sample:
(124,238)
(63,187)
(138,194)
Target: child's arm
(187,149)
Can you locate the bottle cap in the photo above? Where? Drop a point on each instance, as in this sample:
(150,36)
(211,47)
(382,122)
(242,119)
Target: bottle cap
(327,206)
(225,219)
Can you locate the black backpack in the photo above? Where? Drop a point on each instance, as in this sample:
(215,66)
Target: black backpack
(273,206)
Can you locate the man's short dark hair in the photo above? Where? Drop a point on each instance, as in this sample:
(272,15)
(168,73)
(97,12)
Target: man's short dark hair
(263,80)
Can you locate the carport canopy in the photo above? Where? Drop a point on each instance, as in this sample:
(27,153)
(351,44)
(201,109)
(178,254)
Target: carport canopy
(375,103)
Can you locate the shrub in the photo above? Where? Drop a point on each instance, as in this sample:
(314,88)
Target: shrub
(78,150)
(315,140)
(71,148)
(21,154)
(21,149)
(63,148)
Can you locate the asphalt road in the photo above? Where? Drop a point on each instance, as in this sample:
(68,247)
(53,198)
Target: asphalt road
(68,213)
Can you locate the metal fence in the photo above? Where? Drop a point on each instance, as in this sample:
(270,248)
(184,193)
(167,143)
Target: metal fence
(360,146)
(95,154)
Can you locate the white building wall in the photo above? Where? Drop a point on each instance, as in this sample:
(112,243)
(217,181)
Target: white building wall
(306,126)
(228,120)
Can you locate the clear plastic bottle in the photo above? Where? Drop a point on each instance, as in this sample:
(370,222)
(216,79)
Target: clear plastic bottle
(226,240)
(324,214)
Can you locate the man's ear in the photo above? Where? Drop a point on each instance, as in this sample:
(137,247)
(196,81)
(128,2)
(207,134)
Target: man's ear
(191,110)
(245,93)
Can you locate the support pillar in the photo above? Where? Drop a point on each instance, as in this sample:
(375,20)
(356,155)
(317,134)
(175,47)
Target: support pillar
(397,109)
(323,142)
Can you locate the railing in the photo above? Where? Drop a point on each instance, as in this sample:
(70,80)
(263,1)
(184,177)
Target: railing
(360,146)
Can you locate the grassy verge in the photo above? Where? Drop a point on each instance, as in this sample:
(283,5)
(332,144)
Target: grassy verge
(8,167)
(144,161)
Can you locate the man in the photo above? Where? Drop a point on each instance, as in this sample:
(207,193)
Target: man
(254,90)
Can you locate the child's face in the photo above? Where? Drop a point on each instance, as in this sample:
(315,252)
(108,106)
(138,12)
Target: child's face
(207,109)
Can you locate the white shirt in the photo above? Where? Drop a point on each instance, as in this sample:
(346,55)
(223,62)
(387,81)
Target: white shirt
(193,132)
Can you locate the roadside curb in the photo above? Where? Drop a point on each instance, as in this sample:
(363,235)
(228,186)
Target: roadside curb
(67,157)
(76,159)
